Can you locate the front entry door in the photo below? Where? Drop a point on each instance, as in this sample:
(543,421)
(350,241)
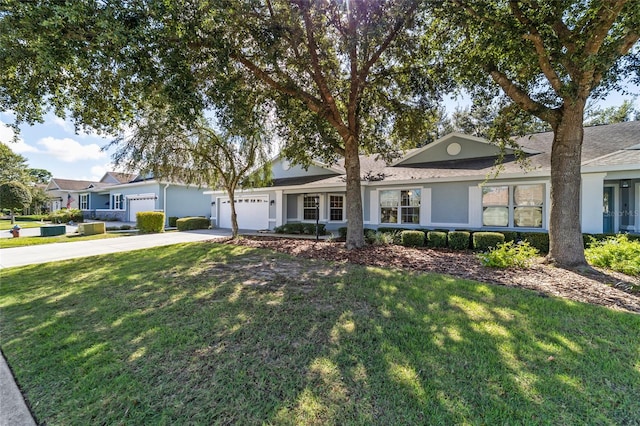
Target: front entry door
(608,206)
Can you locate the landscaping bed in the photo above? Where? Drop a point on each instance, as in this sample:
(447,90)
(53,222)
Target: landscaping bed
(595,286)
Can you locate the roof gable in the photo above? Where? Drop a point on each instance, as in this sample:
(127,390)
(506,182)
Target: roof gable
(282,168)
(56,184)
(453,147)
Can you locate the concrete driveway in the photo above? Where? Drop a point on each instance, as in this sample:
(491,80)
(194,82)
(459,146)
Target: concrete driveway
(29,255)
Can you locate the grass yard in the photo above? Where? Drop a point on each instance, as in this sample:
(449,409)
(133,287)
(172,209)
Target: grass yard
(32,241)
(218,334)
(5,225)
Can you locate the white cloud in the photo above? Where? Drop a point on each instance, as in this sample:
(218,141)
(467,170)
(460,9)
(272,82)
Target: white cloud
(69,150)
(19,147)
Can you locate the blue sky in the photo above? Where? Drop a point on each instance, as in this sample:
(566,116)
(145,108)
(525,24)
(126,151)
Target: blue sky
(54,145)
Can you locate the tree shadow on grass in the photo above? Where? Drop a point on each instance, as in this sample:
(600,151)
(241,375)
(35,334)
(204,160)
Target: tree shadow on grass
(206,334)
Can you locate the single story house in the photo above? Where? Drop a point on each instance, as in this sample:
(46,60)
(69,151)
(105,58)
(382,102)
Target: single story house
(119,196)
(451,183)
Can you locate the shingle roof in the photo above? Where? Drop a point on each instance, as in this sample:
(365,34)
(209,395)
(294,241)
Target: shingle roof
(70,184)
(123,177)
(613,144)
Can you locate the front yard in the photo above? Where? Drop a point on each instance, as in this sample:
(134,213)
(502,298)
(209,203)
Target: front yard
(207,333)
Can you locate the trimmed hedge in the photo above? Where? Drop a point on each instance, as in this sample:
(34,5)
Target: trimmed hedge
(412,238)
(32,218)
(510,236)
(436,239)
(150,222)
(538,240)
(191,223)
(301,228)
(486,240)
(459,240)
(172,221)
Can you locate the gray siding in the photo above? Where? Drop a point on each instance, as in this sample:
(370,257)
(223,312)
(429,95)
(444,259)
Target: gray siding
(292,206)
(185,201)
(468,149)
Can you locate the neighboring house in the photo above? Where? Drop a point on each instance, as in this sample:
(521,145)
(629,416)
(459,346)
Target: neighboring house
(119,196)
(62,193)
(451,184)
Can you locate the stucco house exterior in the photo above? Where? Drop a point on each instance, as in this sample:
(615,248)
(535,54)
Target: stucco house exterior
(451,183)
(119,196)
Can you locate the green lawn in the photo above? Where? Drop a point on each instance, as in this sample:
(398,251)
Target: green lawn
(205,333)
(32,241)
(5,225)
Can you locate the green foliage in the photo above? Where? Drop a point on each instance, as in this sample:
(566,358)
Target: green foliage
(13,167)
(301,229)
(614,114)
(459,240)
(412,238)
(486,240)
(539,240)
(33,218)
(191,223)
(14,195)
(150,222)
(172,221)
(436,239)
(342,231)
(66,216)
(510,236)
(378,238)
(618,253)
(509,254)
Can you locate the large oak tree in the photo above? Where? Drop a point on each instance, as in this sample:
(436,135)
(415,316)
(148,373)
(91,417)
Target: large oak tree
(549,57)
(337,76)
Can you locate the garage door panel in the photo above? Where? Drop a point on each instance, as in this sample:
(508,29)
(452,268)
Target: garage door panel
(252,212)
(143,205)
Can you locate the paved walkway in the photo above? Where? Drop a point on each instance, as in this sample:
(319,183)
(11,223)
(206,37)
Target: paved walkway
(13,409)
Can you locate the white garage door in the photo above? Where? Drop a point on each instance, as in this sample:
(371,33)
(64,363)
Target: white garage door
(136,205)
(252,212)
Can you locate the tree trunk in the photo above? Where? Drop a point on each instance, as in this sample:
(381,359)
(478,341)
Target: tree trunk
(565,235)
(234,217)
(355,226)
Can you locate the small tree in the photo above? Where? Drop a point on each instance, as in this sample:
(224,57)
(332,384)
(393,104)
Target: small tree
(194,154)
(13,196)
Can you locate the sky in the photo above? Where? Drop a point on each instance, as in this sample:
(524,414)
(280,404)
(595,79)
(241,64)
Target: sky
(55,146)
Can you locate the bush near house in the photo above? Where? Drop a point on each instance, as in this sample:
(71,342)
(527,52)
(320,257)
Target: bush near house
(485,240)
(539,240)
(509,254)
(301,228)
(436,239)
(618,252)
(459,240)
(150,222)
(191,223)
(172,221)
(66,216)
(412,238)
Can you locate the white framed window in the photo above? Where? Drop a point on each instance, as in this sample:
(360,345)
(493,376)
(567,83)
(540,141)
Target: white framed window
(116,201)
(336,208)
(309,207)
(84,202)
(519,206)
(400,206)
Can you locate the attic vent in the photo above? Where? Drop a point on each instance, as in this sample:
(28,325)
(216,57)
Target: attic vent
(454,148)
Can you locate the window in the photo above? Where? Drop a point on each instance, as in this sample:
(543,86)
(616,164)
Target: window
(116,201)
(515,205)
(84,201)
(400,206)
(310,212)
(336,208)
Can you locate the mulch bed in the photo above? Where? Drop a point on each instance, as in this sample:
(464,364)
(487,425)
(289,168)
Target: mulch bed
(595,286)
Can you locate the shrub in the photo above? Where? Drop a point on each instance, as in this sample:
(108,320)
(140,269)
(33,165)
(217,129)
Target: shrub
(459,240)
(412,238)
(343,232)
(509,254)
(150,222)
(539,240)
(436,239)
(310,228)
(191,223)
(290,228)
(172,221)
(485,240)
(378,238)
(510,236)
(66,216)
(32,218)
(618,253)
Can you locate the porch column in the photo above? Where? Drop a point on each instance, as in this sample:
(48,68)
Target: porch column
(591,202)
(281,209)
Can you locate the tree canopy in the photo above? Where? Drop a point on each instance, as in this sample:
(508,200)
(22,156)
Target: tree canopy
(549,58)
